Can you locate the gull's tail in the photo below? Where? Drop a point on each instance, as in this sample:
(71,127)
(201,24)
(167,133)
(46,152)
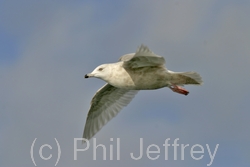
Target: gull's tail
(186,78)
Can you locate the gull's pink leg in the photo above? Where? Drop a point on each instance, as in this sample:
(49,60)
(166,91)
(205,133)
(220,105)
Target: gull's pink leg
(179,89)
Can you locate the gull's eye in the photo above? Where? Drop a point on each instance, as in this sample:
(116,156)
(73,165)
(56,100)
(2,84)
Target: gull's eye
(100,69)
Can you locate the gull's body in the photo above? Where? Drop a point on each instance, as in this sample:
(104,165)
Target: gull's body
(142,70)
(138,79)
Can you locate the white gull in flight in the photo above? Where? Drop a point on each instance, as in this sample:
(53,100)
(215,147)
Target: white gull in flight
(142,70)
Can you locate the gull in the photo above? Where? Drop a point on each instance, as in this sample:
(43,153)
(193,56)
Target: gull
(142,70)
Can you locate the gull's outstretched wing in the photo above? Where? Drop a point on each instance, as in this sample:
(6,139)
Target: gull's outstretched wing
(106,104)
(142,58)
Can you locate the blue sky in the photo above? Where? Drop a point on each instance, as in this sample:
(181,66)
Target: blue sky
(46,48)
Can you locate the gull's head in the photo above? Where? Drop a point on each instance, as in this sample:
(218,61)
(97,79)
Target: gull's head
(102,72)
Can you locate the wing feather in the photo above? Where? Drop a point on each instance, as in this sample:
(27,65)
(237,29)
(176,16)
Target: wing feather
(142,58)
(105,105)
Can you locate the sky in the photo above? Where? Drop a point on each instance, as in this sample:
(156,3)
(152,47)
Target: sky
(46,48)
